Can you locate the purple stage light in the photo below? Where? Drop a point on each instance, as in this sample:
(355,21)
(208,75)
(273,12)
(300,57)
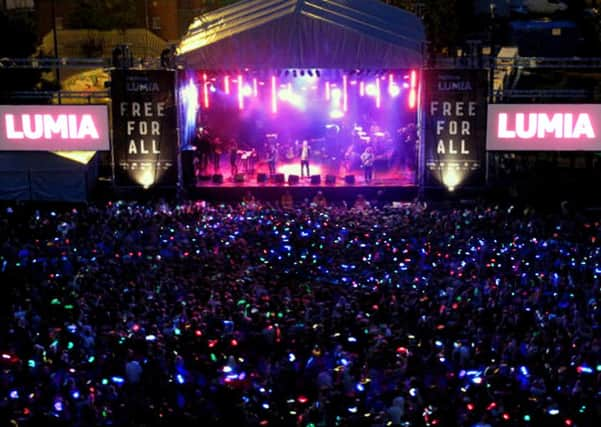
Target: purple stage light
(371,89)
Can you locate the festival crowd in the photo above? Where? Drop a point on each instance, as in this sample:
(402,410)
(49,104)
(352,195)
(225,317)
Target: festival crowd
(254,314)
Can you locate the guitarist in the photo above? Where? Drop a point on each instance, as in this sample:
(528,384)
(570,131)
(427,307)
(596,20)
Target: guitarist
(367,163)
(217,148)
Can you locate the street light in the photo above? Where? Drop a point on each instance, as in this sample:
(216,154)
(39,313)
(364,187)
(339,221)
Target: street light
(55,41)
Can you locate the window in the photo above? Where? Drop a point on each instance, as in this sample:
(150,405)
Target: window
(156,23)
(19,4)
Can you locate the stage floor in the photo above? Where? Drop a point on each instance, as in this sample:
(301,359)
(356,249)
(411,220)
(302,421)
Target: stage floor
(402,178)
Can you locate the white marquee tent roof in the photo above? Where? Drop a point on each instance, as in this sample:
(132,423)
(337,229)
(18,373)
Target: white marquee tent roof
(268,34)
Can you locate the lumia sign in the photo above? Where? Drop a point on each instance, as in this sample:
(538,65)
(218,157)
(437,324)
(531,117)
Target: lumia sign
(62,126)
(548,127)
(53,128)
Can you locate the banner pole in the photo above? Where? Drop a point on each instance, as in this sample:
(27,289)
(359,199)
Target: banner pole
(421,169)
(180,176)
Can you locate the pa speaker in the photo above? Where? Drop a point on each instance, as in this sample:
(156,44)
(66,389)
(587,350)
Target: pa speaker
(278,178)
(217,178)
(262,178)
(330,179)
(293,179)
(315,179)
(239,178)
(349,179)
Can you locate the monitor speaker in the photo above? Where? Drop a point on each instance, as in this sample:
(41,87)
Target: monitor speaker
(315,179)
(239,178)
(330,179)
(217,178)
(262,178)
(278,178)
(293,179)
(349,179)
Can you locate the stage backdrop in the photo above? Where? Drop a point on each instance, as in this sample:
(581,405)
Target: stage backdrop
(144,127)
(455,133)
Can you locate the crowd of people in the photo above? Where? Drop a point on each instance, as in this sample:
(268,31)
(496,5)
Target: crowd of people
(312,314)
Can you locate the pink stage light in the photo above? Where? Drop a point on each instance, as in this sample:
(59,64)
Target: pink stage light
(378,94)
(336,114)
(335,94)
(247,90)
(226,85)
(327,91)
(413,90)
(240,92)
(393,89)
(344,93)
(362,88)
(274,95)
(255,87)
(205,91)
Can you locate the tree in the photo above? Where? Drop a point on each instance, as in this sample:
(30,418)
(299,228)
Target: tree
(19,31)
(103,14)
(441,22)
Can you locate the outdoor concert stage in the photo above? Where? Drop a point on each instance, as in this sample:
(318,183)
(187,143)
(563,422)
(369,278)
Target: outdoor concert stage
(299,130)
(334,87)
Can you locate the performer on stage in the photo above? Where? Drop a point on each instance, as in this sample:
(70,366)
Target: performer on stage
(202,144)
(304,159)
(272,154)
(367,163)
(217,148)
(233,149)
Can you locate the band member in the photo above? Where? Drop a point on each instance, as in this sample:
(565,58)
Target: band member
(233,149)
(217,149)
(202,143)
(304,159)
(350,158)
(272,154)
(411,138)
(367,163)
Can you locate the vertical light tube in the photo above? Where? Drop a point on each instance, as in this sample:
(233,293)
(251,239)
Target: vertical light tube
(226,84)
(255,88)
(240,92)
(361,88)
(205,91)
(345,93)
(274,95)
(327,91)
(378,93)
(413,90)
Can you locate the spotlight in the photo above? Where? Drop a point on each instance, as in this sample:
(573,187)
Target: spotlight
(371,89)
(310,73)
(294,73)
(302,73)
(317,73)
(394,90)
